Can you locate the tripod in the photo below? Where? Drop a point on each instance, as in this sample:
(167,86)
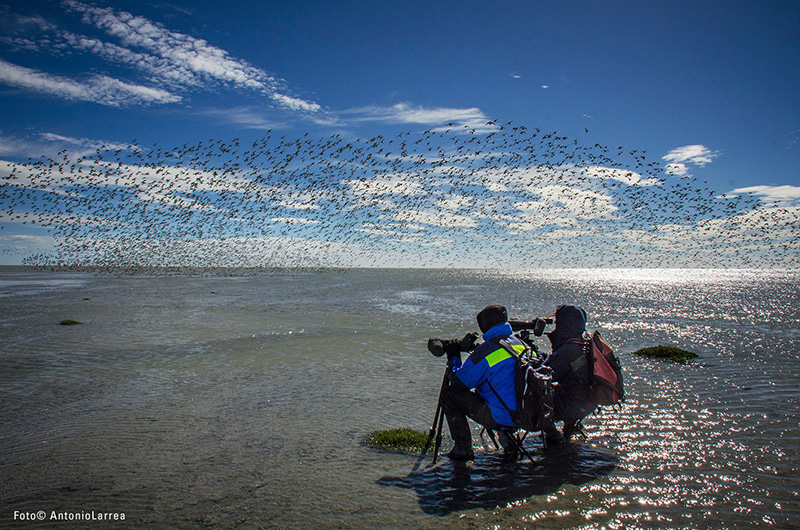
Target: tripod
(435,432)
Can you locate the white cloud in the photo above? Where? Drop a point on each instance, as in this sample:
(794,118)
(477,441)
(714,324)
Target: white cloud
(294,220)
(294,103)
(46,219)
(378,231)
(245,117)
(298,201)
(698,155)
(456,202)
(625,176)
(530,223)
(384,185)
(678,170)
(114,92)
(435,218)
(165,185)
(771,195)
(86,143)
(13,146)
(25,240)
(48,144)
(575,201)
(177,58)
(404,113)
(97,88)
(227,252)
(170,61)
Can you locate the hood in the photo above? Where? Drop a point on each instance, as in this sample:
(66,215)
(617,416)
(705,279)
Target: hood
(570,324)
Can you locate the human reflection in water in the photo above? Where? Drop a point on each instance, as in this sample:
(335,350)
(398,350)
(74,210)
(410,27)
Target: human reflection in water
(490,482)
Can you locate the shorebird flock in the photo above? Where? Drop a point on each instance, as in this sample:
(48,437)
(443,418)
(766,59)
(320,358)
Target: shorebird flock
(503,196)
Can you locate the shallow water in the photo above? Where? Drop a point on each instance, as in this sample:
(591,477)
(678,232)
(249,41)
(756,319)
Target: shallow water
(241,401)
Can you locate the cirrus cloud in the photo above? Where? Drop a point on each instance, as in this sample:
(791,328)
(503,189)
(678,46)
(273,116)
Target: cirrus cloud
(172,62)
(99,89)
(405,113)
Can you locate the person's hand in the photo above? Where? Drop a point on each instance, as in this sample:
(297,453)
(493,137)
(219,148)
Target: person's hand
(468,342)
(452,347)
(538,326)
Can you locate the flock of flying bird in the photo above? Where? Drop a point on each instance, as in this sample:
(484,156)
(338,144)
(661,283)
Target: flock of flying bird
(501,196)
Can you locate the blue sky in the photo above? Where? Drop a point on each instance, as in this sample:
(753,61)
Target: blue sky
(708,90)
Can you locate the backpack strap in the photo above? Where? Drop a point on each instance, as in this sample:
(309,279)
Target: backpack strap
(510,349)
(502,402)
(583,360)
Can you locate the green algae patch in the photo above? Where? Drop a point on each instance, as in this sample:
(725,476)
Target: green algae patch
(403,440)
(669,353)
(69,322)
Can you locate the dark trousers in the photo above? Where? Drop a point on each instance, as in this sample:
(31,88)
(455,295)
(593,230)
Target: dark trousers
(460,403)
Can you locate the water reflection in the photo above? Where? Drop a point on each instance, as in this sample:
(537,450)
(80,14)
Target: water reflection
(489,482)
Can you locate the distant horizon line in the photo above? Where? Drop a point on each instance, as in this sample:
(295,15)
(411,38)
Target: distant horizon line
(174,268)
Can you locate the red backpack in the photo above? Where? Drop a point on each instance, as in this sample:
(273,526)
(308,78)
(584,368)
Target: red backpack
(605,385)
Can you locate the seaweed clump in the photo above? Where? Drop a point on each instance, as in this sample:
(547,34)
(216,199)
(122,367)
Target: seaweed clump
(403,440)
(669,353)
(69,322)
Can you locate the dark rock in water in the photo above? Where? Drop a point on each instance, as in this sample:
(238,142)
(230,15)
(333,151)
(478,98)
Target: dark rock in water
(670,353)
(402,440)
(69,322)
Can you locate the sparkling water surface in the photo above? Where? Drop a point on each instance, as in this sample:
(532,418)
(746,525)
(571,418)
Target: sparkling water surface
(241,401)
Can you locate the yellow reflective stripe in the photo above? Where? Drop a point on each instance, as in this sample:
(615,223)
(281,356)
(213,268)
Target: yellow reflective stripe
(497,356)
(519,348)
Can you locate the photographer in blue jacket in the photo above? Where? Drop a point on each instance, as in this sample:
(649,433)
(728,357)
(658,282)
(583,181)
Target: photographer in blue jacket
(488,364)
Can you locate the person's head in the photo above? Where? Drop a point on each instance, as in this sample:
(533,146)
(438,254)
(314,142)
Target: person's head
(570,323)
(490,316)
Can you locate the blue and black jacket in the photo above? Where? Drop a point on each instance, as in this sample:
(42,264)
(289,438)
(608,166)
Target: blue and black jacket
(491,363)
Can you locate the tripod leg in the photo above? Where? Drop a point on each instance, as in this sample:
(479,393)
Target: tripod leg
(438,443)
(435,427)
(436,417)
(522,449)
(432,430)
(518,443)
(491,437)
(431,436)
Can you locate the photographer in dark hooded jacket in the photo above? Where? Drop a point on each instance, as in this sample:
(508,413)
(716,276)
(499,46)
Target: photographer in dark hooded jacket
(570,367)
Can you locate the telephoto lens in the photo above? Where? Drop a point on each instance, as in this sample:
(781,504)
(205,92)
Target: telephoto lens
(519,325)
(436,347)
(537,325)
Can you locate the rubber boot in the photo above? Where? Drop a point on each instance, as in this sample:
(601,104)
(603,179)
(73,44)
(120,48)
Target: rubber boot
(510,450)
(462,437)
(552,435)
